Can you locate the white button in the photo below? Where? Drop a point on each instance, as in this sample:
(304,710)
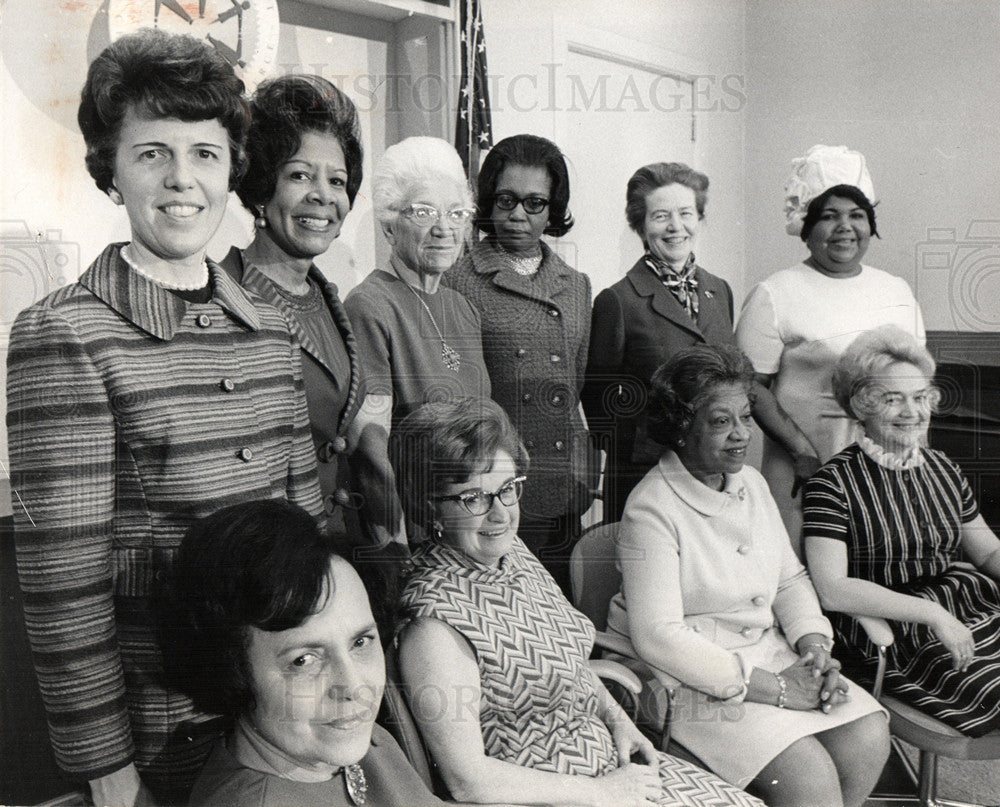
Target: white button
(743,549)
(747,632)
(758,600)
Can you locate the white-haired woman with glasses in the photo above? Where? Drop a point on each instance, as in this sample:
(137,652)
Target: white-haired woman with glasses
(418,341)
(886,522)
(535,311)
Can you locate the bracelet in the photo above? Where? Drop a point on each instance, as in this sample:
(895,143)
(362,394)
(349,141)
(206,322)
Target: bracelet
(782,690)
(820,645)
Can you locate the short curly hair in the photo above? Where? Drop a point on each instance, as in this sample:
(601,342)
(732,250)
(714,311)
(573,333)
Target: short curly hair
(856,374)
(657,175)
(441,444)
(262,564)
(681,385)
(407,165)
(532,152)
(158,75)
(281,111)
(856,195)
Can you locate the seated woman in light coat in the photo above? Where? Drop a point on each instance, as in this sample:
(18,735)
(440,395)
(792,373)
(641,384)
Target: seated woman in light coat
(714,597)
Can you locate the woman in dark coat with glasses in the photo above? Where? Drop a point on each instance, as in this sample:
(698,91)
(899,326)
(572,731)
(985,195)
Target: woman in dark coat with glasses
(535,312)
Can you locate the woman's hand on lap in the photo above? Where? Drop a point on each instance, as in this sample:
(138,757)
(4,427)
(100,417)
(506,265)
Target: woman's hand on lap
(630,742)
(628,786)
(957,638)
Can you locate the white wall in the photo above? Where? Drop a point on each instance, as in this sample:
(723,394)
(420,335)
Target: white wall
(915,86)
(532,90)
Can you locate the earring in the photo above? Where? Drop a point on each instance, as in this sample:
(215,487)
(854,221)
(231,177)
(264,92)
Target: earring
(115,195)
(260,222)
(681,441)
(438,530)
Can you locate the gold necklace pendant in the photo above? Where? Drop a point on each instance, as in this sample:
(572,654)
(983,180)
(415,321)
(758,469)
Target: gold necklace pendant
(357,785)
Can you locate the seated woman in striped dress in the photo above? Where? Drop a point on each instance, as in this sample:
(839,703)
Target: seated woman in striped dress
(885,522)
(493,655)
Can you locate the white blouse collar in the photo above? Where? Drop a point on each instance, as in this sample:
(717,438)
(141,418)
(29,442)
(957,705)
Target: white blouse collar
(913,458)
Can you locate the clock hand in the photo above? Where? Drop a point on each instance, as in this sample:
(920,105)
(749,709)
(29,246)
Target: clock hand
(238,9)
(201,8)
(230,55)
(175,7)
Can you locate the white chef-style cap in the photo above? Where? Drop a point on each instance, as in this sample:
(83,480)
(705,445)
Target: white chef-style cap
(821,168)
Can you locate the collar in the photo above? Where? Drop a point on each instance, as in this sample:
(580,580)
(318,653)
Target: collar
(665,272)
(151,307)
(248,275)
(487,259)
(252,750)
(697,494)
(913,458)
(435,554)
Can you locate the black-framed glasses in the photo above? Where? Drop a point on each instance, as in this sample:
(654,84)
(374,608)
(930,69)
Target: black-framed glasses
(479,502)
(531,204)
(428,215)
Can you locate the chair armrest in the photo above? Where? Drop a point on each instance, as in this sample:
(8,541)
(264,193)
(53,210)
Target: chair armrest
(614,643)
(619,673)
(878,630)
(880,635)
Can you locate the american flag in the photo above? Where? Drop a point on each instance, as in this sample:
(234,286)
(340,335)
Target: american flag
(473,126)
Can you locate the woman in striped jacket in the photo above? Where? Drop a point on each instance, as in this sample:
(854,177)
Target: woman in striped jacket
(147,394)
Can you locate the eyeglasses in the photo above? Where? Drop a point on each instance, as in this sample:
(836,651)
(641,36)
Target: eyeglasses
(427,216)
(531,204)
(479,502)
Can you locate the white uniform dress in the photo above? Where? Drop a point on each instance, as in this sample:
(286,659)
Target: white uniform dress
(795,325)
(710,581)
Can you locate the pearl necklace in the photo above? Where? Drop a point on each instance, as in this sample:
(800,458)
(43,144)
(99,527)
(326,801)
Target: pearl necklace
(192,285)
(522,265)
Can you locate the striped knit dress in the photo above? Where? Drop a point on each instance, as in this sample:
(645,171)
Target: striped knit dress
(902,528)
(131,413)
(538,704)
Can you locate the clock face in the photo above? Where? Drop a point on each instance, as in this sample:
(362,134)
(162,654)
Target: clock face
(245,32)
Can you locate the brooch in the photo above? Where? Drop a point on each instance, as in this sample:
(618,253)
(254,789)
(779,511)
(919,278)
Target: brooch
(357,785)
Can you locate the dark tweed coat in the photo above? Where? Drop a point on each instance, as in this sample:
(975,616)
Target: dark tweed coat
(637,325)
(131,413)
(535,335)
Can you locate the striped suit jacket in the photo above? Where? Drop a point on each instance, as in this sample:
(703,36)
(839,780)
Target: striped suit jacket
(130,414)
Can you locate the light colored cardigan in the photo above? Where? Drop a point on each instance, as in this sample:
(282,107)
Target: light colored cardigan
(705,574)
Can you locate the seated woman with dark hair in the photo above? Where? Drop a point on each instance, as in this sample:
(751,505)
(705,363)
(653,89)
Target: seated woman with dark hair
(270,627)
(714,597)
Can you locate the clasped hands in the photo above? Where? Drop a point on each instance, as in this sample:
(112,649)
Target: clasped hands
(813,681)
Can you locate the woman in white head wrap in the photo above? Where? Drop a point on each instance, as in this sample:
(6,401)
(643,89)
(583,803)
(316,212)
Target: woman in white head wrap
(795,324)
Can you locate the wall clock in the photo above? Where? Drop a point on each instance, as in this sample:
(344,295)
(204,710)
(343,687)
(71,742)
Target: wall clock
(245,32)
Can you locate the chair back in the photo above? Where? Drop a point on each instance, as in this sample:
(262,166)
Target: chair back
(594,576)
(395,716)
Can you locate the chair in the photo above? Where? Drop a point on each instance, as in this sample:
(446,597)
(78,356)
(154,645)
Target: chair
(395,716)
(931,737)
(595,579)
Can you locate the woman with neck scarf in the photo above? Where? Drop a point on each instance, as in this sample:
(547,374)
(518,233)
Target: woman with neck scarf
(666,302)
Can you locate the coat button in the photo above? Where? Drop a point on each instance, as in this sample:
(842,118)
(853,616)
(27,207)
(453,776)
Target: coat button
(553,312)
(227,385)
(204,320)
(555,358)
(526,397)
(325,452)
(747,632)
(557,399)
(560,445)
(521,352)
(529,443)
(342,497)
(245,454)
(758,600)
(743,549)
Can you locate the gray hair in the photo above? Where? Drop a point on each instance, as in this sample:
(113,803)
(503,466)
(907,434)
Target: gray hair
(868,357)
(409,164)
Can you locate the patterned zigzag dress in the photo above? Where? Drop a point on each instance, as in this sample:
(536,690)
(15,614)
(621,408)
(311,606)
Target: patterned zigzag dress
(538,706)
